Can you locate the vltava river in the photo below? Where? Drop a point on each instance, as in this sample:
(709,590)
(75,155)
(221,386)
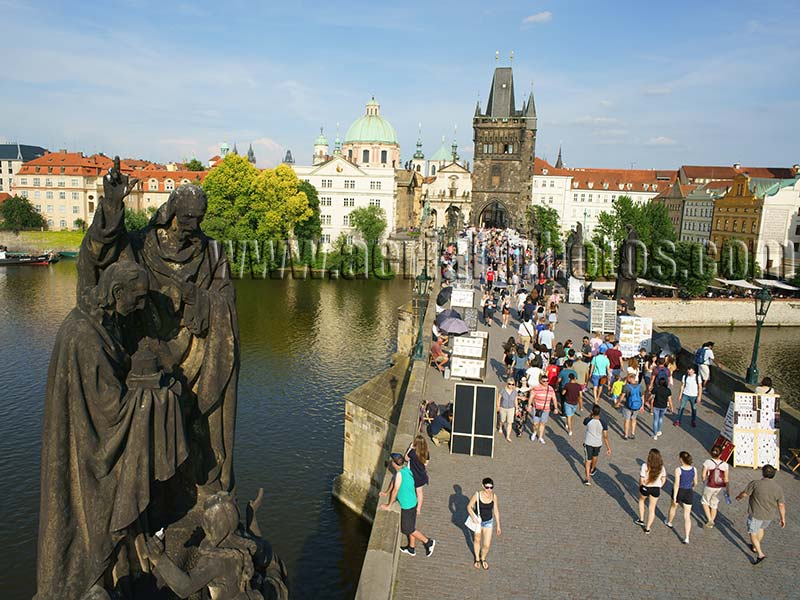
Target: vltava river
(304,345)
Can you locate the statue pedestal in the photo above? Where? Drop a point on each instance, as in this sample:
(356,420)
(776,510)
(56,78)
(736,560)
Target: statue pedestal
(575,290)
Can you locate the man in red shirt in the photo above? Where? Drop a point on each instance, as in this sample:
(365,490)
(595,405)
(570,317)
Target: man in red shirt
(541,398)
(614,357)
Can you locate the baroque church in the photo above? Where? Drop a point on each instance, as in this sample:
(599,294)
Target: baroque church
(505,143)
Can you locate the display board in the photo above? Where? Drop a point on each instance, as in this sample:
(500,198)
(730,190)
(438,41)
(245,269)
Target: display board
(756,433)
(634,333)
(470,347)
(462,298)
(470,317)
(575,290)
(603,316)
(462,367)
(473,419)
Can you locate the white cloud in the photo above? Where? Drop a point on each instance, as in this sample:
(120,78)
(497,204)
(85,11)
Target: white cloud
(660,141)
(589,120)
(657,90)
(268,152)
(609,133)
(544,16)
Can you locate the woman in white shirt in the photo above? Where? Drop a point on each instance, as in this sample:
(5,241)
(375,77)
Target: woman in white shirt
(651,479)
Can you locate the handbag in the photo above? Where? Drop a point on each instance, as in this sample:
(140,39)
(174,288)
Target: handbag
(471,523)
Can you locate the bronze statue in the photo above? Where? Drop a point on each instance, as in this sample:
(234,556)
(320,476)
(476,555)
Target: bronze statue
(140,413)
(626,284)
(576,253)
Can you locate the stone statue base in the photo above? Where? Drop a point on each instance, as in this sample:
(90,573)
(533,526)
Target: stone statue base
(576,287)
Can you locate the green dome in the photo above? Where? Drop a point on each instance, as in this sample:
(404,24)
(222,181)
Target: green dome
(442,154)
(321,139)
(372,128)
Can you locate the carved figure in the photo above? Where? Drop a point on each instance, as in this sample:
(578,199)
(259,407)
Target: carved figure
(626,284)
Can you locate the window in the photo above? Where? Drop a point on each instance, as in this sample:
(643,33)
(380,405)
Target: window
(326,238)
(350,154)
(62,195)
(346,220)
(91,206)
(726,224)
(574,197)
(49,195)
(552,183)
(169,185)
(326,183)
(736,225)
(62,182)
(76,196)
(49,208)
(590,197)
(349,202)
(797,246)
(374,185)
(374,202)
(754,227)
(496,175)
(350,239)
(48,182)
(24,193)
(63,223)
(38,207)
(365,156)
(384,156)
(325,201)
(583,197)
(49,222)
(74,210)
(23,181)
(36,194)
(36,182)
(349,184)
(325,219)
(152,185)
(75,182)
(433,170)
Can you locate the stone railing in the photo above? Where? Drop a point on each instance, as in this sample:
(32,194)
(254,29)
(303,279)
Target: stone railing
(379,570)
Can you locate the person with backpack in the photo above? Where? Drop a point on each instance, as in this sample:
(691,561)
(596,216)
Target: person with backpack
(658,371)
(600,371)
(662,400)
(716,477)
(631,399)
(683,494)
(691,393)
(703,359)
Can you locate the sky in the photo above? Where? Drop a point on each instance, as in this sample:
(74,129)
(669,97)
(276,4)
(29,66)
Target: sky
(616,84)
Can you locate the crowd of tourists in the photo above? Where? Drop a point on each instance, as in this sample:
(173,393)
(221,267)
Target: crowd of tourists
(544,377)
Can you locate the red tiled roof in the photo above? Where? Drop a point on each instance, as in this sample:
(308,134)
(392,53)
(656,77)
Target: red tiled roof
(712,172)
(161,176)
(610,179)
(75,163)
(4,196)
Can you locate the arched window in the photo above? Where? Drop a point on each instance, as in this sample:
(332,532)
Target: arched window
(736,225)
(365,156)
(417,168)
(350,154)
(152,185)
(169,185)
(433,170)
(384,156)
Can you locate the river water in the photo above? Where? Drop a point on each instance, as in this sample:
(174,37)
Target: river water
(304,345)
(778,356)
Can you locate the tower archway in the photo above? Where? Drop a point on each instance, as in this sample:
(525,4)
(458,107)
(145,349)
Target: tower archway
(494,214)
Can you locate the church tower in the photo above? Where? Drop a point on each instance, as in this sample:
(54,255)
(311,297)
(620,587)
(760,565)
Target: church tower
(418,160)
(320,149)
(505,143)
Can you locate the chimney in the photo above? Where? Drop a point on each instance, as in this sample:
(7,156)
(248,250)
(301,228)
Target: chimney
(63,151)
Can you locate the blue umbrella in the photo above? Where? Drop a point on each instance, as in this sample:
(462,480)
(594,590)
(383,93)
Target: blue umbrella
(453,326)
(447,314)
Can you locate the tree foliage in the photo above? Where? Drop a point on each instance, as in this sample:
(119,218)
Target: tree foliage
(311,229)
(136,219)
(193,165)
(247,204)
(548,228)
(736,261)
(370,222)
(18,213)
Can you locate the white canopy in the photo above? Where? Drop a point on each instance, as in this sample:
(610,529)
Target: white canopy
(776,284)
(740,283)
(655,284)
(603,286)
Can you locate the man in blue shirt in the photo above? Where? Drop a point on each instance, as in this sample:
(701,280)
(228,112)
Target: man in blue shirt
(441,428)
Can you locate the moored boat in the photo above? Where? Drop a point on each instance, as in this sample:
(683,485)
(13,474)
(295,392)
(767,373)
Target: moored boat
(8,259)
(68,254)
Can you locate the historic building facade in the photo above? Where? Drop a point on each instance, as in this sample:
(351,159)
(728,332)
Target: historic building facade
(505,141)
(12,156)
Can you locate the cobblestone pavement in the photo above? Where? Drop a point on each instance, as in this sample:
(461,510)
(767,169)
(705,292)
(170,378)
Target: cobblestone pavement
(561,539)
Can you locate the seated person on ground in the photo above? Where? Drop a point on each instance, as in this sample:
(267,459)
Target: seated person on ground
(441,427)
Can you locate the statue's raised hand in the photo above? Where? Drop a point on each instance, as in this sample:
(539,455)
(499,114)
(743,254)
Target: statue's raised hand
(117,185)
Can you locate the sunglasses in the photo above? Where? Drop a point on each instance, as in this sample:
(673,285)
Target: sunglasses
(488,487)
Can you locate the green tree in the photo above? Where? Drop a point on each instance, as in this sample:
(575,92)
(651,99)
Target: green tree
(80,224)
(193,165)
(736,261)
(310,229)
(370,222)
(17,213)
(547,226)
(136,219)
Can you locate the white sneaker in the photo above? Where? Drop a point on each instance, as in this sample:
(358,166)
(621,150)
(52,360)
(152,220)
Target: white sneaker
(658,435)
(541,440)
(570,433)
(533,437)
(655,437)
(686,541)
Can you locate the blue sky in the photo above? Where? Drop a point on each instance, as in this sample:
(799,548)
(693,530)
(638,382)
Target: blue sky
(617,83)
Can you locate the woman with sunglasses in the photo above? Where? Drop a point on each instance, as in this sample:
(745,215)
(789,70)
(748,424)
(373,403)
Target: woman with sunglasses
(483,508)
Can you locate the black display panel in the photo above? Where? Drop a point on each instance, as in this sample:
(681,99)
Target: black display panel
(482,446)
(461,444)
(473,419)
(463,408)
(485,409)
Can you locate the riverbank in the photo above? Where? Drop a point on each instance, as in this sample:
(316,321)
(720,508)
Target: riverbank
(39,241)
(716,312)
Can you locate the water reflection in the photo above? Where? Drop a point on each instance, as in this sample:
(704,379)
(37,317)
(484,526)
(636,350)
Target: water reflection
(778,355)
(304,345)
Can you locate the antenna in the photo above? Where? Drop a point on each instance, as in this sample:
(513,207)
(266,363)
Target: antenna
(496,55)
(512,56)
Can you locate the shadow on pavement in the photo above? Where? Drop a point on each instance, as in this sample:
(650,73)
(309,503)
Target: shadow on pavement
(457,504)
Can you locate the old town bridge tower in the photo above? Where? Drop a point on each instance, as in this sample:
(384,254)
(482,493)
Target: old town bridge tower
(505,142)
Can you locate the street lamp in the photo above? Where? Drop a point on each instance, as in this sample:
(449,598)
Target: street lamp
(421,298)
(763,299)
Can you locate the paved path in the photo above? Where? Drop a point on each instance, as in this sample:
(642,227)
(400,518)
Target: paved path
(562,539)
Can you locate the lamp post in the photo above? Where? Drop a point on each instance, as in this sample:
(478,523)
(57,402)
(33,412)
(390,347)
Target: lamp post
(420,304)
(762,299)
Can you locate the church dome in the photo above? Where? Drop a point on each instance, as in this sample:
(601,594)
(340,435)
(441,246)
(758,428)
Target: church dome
(321,139)
(442,154)
(371,128)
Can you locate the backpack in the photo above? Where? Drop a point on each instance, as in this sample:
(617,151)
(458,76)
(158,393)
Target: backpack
(633,397)
(662,372)
(716,479)
(700,356)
